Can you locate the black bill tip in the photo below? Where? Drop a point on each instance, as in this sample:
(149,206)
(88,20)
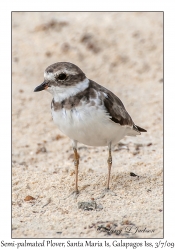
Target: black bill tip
(41,87)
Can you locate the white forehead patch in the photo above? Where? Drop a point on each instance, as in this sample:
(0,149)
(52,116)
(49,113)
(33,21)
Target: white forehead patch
(49,76)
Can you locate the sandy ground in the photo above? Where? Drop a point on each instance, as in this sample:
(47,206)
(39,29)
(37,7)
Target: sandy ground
(123,52)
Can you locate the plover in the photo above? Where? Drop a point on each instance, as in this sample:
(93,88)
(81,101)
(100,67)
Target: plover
(85,111)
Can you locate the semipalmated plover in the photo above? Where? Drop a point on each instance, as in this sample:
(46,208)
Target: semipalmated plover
(85,111)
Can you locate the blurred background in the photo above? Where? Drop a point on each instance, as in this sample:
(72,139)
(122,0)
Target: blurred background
(122,51)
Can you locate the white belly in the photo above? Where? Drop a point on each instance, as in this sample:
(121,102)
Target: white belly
(89,126)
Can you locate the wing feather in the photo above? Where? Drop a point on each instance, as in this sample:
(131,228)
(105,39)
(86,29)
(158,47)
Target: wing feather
(115,108)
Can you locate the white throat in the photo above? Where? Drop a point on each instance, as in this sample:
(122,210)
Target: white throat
(62,93)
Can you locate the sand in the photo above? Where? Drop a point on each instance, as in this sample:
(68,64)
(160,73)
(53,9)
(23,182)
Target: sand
(122,51)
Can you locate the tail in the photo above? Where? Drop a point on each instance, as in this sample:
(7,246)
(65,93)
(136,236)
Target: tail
(139,129)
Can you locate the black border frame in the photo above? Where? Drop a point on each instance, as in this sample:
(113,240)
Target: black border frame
(163,141)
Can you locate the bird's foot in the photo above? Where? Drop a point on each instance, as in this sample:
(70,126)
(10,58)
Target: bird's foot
(106,191)
(74,195)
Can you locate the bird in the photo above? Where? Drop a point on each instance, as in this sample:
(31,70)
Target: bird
(86,112)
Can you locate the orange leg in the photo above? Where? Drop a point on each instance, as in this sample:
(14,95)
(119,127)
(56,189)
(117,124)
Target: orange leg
(109,161)
(76,163)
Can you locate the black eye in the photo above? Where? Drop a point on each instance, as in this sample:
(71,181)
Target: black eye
(62,76)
